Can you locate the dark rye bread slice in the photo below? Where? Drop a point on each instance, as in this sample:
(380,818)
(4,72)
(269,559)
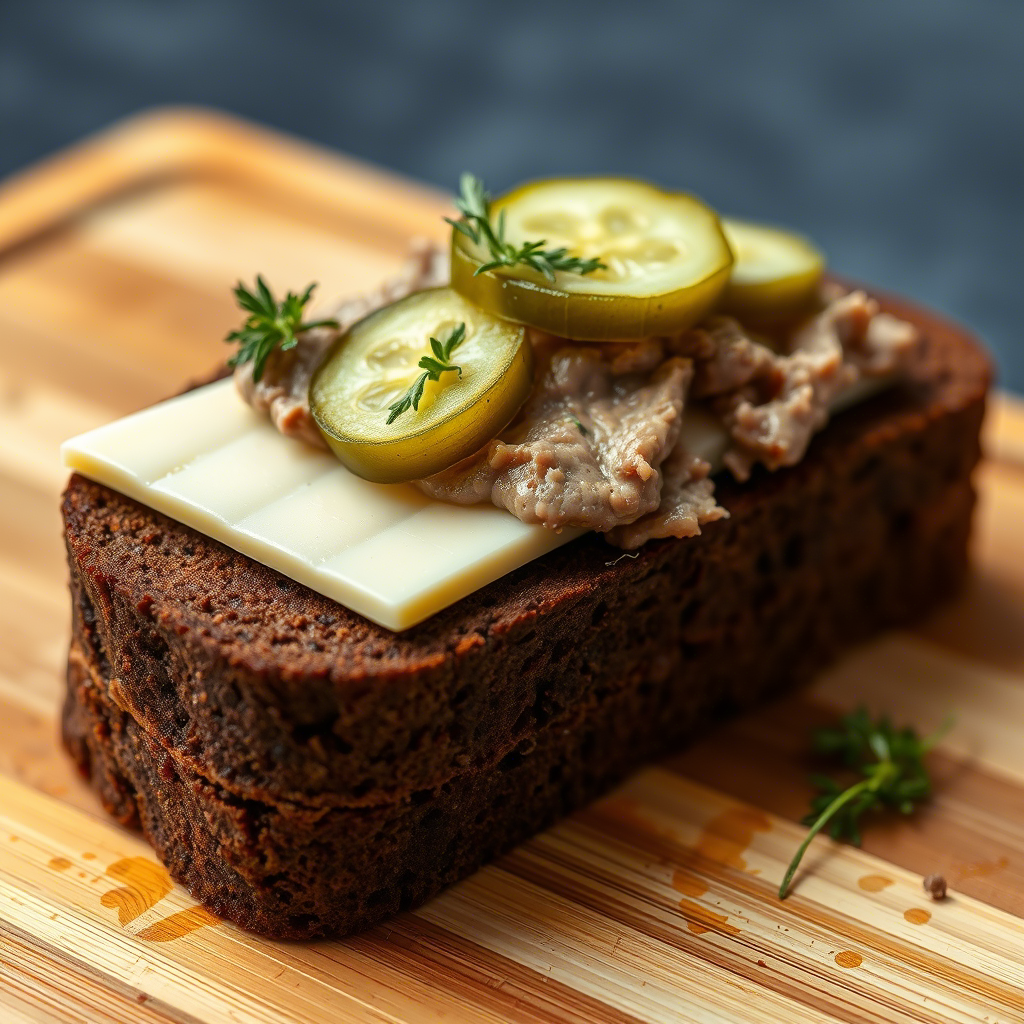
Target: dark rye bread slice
(306,772)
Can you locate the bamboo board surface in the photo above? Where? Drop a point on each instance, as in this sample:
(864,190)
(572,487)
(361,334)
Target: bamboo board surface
(655,904)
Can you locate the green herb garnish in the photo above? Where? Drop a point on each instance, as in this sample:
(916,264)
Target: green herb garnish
(891,762)
(475,223)
(270,324)
(433,366)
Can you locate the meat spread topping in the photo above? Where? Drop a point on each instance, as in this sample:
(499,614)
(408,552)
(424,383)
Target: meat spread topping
(283,390)
(687,503)
(597,444)
(785,401)
(587,447)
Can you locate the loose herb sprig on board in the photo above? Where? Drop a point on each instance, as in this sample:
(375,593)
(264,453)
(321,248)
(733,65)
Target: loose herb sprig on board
(269,325)
(891,762)
(474,203)
(433,366)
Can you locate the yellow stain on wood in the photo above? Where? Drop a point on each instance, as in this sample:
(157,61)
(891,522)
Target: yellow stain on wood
(688,883)
(88,856)
(701,919)
(146,883)
(982,868)
(724,840)
(178,925)
(60,863)
(873,883)
(848,958)
(917,915)
(728,835)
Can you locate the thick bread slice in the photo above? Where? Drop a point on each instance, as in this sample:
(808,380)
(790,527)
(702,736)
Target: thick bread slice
(306,772)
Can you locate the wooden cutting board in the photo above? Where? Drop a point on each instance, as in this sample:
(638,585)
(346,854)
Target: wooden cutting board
(655,904)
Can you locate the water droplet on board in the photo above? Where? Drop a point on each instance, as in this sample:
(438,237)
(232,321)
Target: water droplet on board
(848,958)
(60,863)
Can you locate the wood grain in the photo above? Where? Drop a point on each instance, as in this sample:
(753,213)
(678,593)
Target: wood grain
(656,904)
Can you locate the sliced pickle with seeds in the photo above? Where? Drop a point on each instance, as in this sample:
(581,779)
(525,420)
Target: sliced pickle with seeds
(666,260)
(373,365)
(776,273)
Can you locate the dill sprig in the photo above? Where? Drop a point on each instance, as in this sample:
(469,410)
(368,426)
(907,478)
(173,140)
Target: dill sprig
(433,366)
(269,325)
(474,204)
(891,762)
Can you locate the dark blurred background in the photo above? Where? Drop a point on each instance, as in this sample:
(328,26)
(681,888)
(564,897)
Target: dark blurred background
(892,132)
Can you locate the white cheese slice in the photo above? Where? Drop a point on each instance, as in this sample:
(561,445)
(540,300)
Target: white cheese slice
(384,550)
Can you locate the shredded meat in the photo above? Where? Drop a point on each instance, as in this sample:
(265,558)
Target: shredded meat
(773,417)
(725,357)
(687,503)
(884,345)
(597,443)
(283,390)
(587,446)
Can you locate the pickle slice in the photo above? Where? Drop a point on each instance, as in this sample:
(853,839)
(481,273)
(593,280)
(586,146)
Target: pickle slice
(666,260)
(776,273)
(373,365)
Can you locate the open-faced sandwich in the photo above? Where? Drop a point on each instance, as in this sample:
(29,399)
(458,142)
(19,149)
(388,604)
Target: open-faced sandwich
(432,571)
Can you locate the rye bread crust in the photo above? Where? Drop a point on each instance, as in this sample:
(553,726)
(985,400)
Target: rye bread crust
(286,757)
